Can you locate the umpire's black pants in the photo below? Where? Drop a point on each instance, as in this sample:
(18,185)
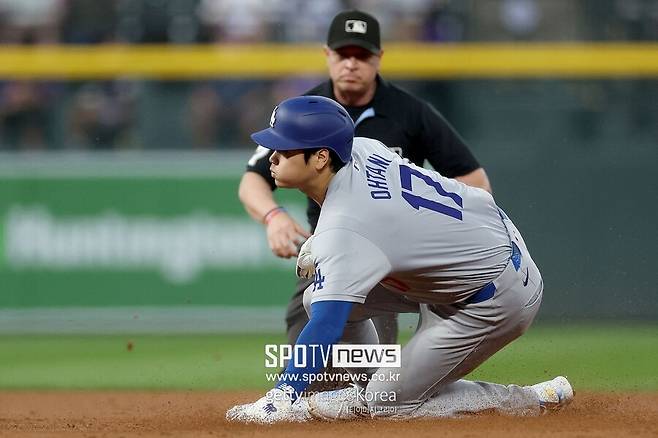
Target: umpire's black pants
(386,324)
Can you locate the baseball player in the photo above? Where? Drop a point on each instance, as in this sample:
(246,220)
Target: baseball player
(380,110)
(428,239)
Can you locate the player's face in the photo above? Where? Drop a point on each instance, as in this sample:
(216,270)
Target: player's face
(289,169)
(352,69)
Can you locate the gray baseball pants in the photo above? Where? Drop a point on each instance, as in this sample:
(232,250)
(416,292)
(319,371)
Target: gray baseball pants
(451,341)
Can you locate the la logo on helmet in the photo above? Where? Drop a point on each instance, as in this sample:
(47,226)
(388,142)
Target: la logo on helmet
(273,116)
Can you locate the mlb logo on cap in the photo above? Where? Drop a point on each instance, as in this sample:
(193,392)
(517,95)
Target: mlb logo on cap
(357,26)
(354,28)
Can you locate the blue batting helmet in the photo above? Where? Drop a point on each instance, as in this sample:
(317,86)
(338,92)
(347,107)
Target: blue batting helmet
(308,122)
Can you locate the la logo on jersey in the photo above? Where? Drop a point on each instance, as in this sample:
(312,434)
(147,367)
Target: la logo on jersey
(273,116)
(318,281)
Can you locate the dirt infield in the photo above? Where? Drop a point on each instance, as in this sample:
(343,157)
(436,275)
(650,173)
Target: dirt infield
(196,414)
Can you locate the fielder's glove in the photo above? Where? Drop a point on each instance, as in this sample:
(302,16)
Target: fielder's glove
(275,407)
(305,262)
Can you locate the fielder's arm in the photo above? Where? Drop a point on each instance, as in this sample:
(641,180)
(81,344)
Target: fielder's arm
(284,234)
(476,178)
(256,195)
(447,152)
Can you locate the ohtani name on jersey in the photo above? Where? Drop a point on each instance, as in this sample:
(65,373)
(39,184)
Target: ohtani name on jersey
(376,176)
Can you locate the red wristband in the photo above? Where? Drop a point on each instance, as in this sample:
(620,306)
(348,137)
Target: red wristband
(270,214)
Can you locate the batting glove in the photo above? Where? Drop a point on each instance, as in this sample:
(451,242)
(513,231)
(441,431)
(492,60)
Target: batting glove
(305,262)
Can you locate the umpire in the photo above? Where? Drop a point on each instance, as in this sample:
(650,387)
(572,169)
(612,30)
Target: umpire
(380,110)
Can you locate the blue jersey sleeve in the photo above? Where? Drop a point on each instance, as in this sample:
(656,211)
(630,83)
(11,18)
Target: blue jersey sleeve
(323,330)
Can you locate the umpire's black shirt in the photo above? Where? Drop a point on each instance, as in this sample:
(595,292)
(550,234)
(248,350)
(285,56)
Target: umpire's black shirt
(407,125)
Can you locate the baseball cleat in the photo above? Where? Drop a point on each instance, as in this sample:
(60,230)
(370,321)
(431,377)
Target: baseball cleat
(554,394)
(270,413)
(299,411)
(341,404)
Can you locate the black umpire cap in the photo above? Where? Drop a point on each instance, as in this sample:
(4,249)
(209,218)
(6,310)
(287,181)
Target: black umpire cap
(354,28)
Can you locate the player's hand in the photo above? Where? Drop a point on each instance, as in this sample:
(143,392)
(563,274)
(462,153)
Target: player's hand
(284,235)
(305,261)
(275,407)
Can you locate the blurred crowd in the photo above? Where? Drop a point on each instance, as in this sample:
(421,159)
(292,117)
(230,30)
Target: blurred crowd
(115,114)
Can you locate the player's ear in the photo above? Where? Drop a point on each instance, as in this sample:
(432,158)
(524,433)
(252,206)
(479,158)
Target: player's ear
(322,159)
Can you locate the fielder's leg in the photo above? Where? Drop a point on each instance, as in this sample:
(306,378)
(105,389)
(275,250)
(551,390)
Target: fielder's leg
(386,324)
(359,329)
(382,306)
(385,320)
(296,317)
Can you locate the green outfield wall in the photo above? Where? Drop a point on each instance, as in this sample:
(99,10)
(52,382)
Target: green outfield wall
(84,237)
(164,237)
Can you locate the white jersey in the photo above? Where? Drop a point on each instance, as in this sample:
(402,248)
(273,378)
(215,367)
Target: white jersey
(384,219)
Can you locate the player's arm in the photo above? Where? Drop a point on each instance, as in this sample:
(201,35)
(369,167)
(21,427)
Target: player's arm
(256,188)
(324,329)
(447,152)
(347,267)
